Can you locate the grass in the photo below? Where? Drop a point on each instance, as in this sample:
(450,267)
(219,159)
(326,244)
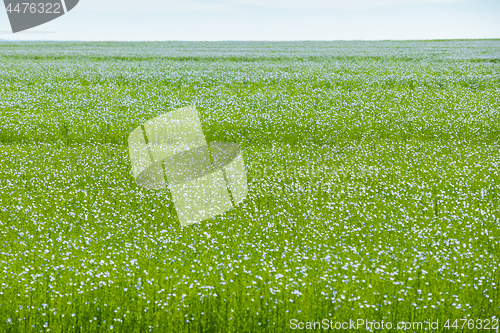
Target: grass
(373,172)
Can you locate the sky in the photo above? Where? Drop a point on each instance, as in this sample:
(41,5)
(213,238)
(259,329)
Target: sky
(223,20)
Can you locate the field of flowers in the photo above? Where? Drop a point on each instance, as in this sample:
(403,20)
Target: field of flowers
(374,186)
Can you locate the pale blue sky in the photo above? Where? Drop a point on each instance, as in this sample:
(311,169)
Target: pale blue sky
(268,20)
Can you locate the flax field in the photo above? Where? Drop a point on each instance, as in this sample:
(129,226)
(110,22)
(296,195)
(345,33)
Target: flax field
(373,172)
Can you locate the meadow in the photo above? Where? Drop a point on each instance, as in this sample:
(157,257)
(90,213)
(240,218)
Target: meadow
(373,172)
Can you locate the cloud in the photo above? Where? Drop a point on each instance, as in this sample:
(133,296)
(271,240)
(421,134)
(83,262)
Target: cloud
(154,6)
(333,4)
(228,6)
(28,32)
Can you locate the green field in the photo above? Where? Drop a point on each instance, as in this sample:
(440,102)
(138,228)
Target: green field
(373,174)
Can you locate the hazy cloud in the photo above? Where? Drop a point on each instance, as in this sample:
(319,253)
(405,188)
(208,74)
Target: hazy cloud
(154,6)
(326,4)
(232,5)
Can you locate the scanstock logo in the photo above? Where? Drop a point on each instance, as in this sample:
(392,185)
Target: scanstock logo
(26,14)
